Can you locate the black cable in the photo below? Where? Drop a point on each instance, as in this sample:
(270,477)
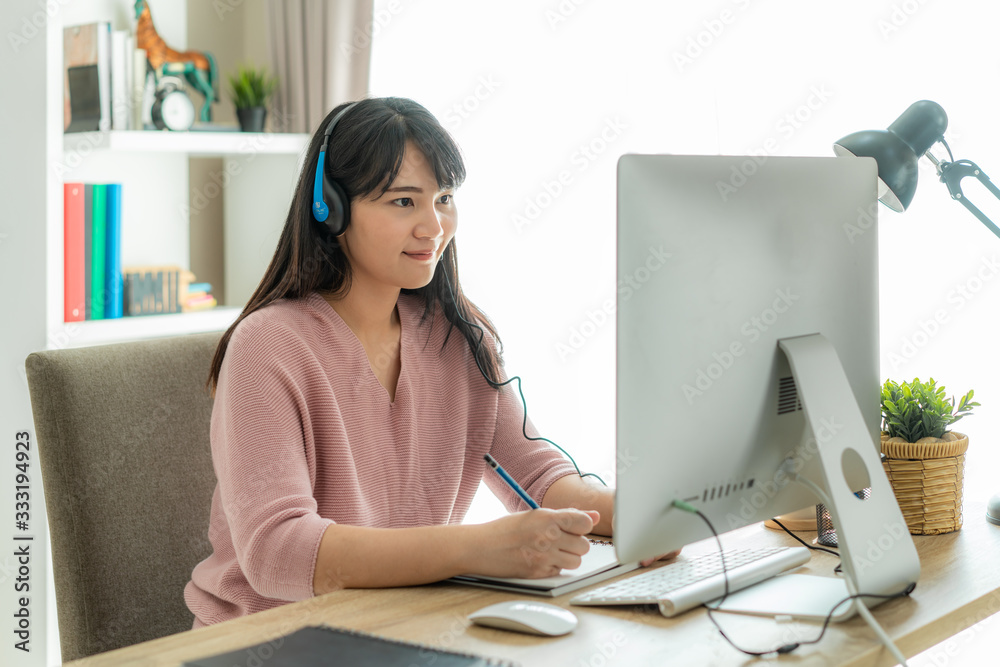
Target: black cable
(785,648)
(905,592)
(497,385)
(950,156)
(836,570)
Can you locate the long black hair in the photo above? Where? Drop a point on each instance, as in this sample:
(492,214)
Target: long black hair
(364,155)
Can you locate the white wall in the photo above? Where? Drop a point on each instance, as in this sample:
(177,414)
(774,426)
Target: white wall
(524,86)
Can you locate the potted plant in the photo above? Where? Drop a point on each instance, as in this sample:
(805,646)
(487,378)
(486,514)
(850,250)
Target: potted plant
(250,89)
(924,461)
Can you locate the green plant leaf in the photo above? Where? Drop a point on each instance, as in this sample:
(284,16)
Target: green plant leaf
(251,87)
(913,410)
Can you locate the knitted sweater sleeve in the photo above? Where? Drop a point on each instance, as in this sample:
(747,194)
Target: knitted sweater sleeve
(264,463)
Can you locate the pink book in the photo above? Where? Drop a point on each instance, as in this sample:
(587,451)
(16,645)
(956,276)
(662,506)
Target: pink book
(73,258)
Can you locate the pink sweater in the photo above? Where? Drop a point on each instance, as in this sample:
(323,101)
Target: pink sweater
(303,435)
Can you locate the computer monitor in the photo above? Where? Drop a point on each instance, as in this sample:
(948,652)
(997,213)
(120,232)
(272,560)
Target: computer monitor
(747,350)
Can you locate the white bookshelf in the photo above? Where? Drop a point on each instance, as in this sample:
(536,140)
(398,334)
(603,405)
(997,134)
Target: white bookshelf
(254,184)
(102,332)
(155,170)
(195,144)
(147,161)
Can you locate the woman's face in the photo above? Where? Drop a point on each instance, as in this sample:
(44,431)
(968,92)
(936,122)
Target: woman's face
(397,239)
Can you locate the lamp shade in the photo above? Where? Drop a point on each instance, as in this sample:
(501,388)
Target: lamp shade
(897,150)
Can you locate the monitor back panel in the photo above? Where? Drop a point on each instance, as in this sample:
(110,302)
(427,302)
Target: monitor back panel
(722,256)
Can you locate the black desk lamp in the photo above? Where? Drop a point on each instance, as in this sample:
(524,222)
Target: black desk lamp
(896,151)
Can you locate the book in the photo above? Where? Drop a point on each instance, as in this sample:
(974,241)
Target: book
(113,252)
(129,79)
(596,565)
(88,226)
(74,289)
(154,290)
(104,72)
(87,77)
(98,250)
(196,303)
(321,645)
(120,86)
(138,74)
(85,98)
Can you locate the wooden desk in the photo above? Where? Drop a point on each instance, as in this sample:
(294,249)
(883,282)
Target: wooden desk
(959,586)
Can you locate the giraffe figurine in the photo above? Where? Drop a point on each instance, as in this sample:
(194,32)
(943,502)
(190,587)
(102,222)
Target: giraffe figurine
(197,67)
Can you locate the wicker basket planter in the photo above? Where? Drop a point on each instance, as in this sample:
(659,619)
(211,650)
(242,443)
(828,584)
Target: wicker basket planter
(926,477)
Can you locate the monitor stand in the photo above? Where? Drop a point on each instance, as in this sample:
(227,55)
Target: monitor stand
(877,553)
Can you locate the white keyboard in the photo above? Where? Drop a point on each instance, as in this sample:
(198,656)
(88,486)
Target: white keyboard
(685,584)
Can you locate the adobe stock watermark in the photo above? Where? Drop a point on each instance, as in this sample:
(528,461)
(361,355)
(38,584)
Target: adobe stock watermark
(444,639)
(595,319)
(786,126)
(560,13)
(219,180)
(362,37)
(585,154)
(223,7)
(604,650)
(707,35)
(974,624)
(875,550)
(32,26)
(624,459)
(87,143)
(867,218)
(257,656)
(795,461)
(535,552)
(899,15)
(958,297)
(462,110)
(751,330)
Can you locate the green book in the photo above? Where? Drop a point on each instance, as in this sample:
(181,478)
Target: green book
(98,234)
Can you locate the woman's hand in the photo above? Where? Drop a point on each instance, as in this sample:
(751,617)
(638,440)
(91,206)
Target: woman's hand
(650,561)
(533,544)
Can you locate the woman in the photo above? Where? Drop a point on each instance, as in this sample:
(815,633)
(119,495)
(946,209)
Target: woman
(350,418)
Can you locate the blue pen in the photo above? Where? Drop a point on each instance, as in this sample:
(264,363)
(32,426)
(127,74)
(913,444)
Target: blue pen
(510,481)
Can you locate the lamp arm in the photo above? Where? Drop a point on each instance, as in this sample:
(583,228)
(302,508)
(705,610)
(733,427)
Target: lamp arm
(952,173)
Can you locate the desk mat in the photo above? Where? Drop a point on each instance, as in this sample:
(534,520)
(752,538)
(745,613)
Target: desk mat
(322,645)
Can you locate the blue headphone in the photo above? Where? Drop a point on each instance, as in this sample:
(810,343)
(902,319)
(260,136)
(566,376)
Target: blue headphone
(330,202)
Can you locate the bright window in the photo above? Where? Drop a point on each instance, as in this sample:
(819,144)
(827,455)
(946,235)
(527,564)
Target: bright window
(544,96)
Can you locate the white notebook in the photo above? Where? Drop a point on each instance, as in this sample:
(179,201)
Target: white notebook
(598,564)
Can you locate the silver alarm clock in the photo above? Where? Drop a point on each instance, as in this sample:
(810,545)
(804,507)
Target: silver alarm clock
(172,108)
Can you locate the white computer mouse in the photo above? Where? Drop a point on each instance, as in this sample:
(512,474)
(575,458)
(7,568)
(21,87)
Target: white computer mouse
(537,618)
(993,510)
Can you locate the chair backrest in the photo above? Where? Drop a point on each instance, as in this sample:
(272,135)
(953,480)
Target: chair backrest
(123,441)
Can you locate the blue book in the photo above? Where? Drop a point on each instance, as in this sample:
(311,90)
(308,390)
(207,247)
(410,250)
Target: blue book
(113,252)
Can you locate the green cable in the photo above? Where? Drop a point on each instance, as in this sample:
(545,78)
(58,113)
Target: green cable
(687,507)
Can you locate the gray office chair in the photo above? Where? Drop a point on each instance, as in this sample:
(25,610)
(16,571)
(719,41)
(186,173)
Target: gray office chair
(123,442)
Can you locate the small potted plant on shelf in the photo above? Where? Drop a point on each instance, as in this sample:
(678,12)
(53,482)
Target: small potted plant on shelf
(924,461)
(250,89)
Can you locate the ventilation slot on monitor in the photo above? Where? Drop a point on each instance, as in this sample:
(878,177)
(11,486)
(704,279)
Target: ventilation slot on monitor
(721,491)
(788,396)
